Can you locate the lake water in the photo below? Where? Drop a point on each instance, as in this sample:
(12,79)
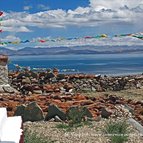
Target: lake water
(109,64)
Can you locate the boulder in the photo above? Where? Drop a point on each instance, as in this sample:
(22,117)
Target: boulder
(105,113)
(78,112)
(87,113)
(60,77)
(113,99)
(20,111)
(54,111)
(8,89)
(31,112)
(57,119)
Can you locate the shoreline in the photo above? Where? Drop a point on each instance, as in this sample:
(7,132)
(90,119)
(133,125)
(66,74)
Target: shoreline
(65,71)
(89,64)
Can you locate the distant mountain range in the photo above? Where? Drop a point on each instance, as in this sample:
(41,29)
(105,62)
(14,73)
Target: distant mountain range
(73,50)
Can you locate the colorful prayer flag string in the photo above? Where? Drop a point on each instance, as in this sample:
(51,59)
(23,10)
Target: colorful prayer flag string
(102,36)
(1,13)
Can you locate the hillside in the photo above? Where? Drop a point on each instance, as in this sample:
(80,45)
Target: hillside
(73,50)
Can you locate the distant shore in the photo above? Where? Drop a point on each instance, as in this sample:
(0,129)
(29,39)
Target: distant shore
(68,50)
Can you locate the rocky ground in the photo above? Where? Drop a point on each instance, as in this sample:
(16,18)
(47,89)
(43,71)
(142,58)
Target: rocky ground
(48,82)
(133,94)
(93,133)
(49,96)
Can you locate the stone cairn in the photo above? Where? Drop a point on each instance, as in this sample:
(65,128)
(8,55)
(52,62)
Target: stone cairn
(4,85)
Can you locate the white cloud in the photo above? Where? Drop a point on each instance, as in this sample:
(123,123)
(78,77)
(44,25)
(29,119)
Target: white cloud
(10,38)
(42,7)
(97,13)
(27,7)
(114,4)
(16,29)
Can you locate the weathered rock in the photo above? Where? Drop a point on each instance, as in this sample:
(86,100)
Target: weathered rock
(3,70)
(105,113)
(26,80)
(34,80)
(57,119)
(20,111)
(138,85)
(93,89)
(79,97)
(129,108)
(98,88)
(37,91)
(53,111)
(141,102)
(113,99)
(61,77)
(4,86)
(67,87)
(75,114)
(136,125)
(87,113)
(78,111)
(85,89)
(8,89)
(31,112)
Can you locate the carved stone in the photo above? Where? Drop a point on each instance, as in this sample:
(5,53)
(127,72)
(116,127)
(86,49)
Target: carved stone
(4,85)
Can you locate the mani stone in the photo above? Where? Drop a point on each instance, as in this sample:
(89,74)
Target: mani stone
(31,112)
(3,70)
(4,86)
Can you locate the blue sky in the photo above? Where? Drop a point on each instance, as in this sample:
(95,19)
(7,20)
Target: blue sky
(28,19)
(18,5)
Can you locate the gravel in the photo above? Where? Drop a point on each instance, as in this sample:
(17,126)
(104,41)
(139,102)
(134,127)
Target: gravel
(83,134)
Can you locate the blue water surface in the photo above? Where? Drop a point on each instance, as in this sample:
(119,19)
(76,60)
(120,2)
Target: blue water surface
(109,64)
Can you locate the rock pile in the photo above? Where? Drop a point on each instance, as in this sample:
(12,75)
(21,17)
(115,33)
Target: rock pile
(50,95)
(105,83)
(57,106)
(28,82)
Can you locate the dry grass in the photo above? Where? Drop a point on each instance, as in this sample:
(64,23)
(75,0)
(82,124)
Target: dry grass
(134,94)
(82,134)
